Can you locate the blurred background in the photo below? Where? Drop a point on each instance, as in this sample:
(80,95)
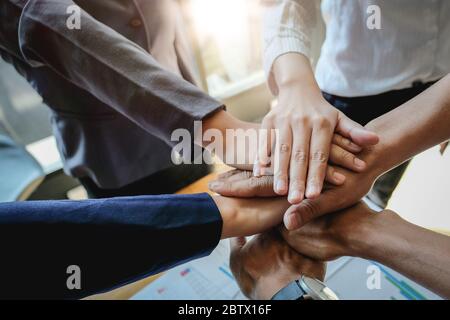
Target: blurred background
(225,36)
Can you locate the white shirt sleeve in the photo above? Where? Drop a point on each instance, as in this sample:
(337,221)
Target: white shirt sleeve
(288,27)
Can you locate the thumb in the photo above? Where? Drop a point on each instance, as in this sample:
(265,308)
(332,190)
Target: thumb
(356,132)
(299,215)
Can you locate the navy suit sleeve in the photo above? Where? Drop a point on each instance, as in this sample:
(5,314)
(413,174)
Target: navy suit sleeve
(112,241)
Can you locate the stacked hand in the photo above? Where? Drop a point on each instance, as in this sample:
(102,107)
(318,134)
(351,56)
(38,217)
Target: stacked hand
(266,264)
(333,198)
(269,262)
(316,229)
(305,124)
(334,235)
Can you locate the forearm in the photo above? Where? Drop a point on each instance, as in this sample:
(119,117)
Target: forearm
(115,70)
(288,27)
(113,241)
(417,125)
(418,253)
(232,140)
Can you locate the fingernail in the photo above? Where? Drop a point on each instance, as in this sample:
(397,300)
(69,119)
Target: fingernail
(359,164)
(339,177)
(281,186)
(295,196)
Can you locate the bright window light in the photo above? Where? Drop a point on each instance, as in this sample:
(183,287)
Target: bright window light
(228,32)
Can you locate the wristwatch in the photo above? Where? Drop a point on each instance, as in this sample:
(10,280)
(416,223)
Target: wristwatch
(305,288)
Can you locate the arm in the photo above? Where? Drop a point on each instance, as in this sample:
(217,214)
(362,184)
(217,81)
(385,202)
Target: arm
(305,120)
(385,237)
(101,61)
(116,241)
(406,131)
(418,253)
(412,128)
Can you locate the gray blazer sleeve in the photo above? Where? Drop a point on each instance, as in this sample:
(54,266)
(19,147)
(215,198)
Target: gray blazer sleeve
(101,61)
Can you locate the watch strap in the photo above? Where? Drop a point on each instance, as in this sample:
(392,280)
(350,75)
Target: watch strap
(292,291)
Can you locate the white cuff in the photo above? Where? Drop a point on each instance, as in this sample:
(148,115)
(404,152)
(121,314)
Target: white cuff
(279,46)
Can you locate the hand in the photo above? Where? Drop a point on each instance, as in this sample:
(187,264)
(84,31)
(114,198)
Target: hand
(266,264)
(305,122)
(243,184)
(335,198)
(246,217)
(334,235)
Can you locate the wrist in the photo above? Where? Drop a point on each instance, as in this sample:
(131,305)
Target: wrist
(228,214)
(293,70)
(386,154)
(267,287)
(369,239)
(233,134)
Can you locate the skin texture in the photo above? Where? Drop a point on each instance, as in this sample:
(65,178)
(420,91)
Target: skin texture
(404,132)
(306,123)
(246,217)
(244,184)
(418,253)
(266,264)
(342,153)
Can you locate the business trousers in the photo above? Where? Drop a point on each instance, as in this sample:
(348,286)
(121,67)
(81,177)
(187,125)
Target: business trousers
(365,109)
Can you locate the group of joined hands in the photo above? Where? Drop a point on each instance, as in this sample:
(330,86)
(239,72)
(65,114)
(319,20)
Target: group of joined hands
(293,239)
(310,210)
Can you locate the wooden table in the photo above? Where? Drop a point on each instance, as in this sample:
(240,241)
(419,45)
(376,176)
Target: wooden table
(126,292)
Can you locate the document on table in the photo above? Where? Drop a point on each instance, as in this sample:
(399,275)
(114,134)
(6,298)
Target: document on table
(210,278)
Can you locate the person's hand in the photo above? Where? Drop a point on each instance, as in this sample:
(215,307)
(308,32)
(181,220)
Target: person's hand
(244,184)
(305,123)
(335,198)
(266,264)
(334,235)
(246,217)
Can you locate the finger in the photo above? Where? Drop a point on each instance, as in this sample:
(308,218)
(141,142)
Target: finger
(346,144)
(334,177)
(265,142)
(228,174)
(345,159)
(244,188)
(283,148)
(299,162)
(227,179)
(242,175)
(356,132)
(299,215)
(321,137)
